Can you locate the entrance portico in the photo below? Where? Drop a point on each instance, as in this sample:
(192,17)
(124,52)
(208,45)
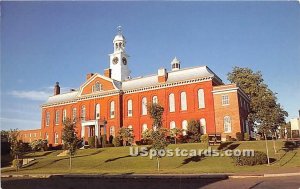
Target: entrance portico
(92,128)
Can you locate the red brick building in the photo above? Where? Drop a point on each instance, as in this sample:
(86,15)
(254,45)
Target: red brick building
(105,103)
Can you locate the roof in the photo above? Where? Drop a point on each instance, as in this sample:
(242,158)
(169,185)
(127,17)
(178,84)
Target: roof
(140,82)
(62,97)
(173,76)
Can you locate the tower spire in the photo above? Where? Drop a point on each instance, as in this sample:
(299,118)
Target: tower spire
(119,30)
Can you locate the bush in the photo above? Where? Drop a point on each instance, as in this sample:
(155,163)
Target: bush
(116,142)
(258,158)
(239,136)
(17,163)
(110,139)
(228,138)
(246,136)
(204,138)
(91,141)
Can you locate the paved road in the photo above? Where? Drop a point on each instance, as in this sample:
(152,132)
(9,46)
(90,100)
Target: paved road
(147,183)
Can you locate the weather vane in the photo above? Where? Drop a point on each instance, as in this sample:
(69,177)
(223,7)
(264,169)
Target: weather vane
(119,30)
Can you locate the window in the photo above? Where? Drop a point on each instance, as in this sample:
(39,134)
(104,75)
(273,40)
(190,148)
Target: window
(130,128)
(225,100)
(34,134)
(144,127)
(46,136)
(57,117)
(30,135)
(172,125)
(201,101)
(183,104)
(56,138)
(184,127)
(74,112)
(203,126)
(129,108)
(171,102)
(64,115)
(154,100)
(112,109)
(227,124)
(144,106)
(97,112)
(47,118)
(83,112)
(112,131)
(98,87)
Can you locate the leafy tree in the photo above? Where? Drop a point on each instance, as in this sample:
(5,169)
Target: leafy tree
(126,135)
(70,138)
(158,134)
(193,130)
(38,145)
(265,113)
(174,133)
(16,146)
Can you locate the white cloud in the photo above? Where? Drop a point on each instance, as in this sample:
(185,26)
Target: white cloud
(31,95)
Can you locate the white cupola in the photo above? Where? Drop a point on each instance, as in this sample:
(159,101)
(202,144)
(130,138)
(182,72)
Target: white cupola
(119,59)
(175,64)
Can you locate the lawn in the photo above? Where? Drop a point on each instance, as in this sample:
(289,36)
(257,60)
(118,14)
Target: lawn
(116,160)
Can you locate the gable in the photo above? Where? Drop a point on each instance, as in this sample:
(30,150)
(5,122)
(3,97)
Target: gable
(104,84)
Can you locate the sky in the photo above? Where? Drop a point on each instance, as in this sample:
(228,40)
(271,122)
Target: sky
(45,42)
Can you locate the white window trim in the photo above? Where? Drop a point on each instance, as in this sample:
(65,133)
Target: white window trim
(222,100)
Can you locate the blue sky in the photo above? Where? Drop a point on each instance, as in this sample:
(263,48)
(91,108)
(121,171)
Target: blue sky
(45,42)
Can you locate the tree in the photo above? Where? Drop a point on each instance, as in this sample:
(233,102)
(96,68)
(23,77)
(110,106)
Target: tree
(158,134)
(126,135)
(174,133)
(265,113)
(70,139)
(193,130)
(15,146)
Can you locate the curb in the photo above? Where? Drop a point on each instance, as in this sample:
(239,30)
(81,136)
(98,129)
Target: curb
(154,176)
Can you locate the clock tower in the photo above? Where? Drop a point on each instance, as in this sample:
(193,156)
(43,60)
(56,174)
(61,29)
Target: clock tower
(118,59)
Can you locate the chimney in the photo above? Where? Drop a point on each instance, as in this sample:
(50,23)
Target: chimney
(299,112)
(162,75)
(107,72)
(56,88)
(89,75)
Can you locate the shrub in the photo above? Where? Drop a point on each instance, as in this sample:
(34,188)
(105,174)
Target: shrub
(110,139)
(17,163)
(228,138)
(116,142)
(91,141)
(204,138)
(258,158)
(246,136)
(239,136)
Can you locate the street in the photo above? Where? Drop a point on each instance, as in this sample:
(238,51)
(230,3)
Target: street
(57,182)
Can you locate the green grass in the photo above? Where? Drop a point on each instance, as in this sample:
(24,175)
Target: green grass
(116,160)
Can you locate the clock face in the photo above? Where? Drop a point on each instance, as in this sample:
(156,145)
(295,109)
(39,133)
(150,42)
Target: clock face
(124,60)
(115,60)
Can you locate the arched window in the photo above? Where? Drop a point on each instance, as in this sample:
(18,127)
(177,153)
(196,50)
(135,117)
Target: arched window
(47,118)
(56,138)
(183,103)
(130,128)
(154,100)
(64,115)
(46,137)
(144,106)
(201,100)
(203,126)
(129,107)
(83,112)
(227,124)
(172,125)
(56,117)
(144,127)
(74,114)
(98,86)
(97,112)
(112,109)
(184,127)
(171,102)
(112,131)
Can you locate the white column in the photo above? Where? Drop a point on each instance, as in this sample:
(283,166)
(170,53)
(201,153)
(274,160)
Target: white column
(82,131)
(96,129)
